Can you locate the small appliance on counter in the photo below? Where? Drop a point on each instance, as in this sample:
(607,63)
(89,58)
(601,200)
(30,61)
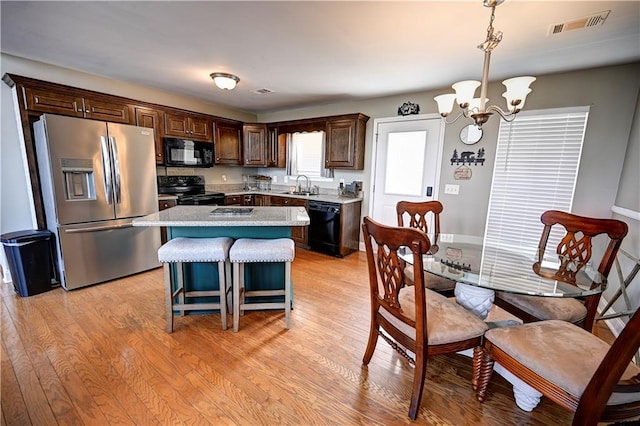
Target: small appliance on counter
(351,190)
(189,190)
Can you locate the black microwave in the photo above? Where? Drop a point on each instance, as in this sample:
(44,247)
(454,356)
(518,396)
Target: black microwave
(187,153)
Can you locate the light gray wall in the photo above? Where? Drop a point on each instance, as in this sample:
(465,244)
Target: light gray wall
(628,200)
(611,92)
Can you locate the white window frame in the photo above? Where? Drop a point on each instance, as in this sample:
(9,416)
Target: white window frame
(535,170)
(323,175)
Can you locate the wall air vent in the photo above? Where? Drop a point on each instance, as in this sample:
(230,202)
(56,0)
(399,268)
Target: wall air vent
(263,91)
(580,23)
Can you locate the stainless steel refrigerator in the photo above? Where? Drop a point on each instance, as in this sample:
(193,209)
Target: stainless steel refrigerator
(96,177)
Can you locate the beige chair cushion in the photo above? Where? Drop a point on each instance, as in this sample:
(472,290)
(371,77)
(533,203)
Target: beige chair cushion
(430,281)
(560,352)
(446,320)
(547,308)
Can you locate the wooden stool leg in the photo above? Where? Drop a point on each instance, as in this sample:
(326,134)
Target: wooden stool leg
(180,289)
(241,292)
(168,297)
(227,296)
(287,295)
(222,288)
(236,296)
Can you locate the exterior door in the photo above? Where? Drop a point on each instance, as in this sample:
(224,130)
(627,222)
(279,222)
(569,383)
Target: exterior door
(406,163)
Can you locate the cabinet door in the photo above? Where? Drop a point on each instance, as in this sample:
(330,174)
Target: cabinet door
(227,147)
(261,200)
(299,234)
(276,148)
(176,125)
(200,128)
(55,102)
(232,200)
(253,144)
(114,112)
(151,118)
(163,205)
(340,144)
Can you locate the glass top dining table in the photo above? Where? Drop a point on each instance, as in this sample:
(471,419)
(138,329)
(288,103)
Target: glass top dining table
(495,266)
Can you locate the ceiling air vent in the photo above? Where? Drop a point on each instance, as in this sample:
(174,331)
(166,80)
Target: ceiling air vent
(580,23)
(263,91)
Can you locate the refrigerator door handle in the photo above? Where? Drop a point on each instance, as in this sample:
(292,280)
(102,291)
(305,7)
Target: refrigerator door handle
(98,228)
(116,169)
(106,170)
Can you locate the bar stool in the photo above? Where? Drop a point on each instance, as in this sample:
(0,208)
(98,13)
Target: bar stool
(253,250)
(195,250)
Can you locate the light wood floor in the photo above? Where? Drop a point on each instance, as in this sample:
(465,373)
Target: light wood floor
(100,355)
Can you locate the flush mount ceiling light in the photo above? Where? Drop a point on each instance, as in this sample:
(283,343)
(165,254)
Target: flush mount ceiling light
(224,81)
(476,108)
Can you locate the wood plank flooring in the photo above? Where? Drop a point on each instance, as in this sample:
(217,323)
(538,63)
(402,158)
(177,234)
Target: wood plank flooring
(100,355)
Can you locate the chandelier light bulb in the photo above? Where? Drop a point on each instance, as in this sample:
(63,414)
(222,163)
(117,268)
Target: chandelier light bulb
(465,91)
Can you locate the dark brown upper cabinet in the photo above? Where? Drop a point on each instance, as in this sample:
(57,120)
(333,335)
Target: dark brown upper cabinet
(344,148)
(254,138)
(181,125)
(152,118)
(65,103)
(228,144)
(276,148)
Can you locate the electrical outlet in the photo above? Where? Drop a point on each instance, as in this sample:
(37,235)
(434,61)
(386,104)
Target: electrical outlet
(446,238)
(224,178)
(274,179)
(342,181)
(452,189)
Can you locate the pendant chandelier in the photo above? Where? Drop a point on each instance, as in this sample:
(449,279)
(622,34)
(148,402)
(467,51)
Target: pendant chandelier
(476,108)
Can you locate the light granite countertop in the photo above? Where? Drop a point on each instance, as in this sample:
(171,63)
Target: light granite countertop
(202,216)
(327,198)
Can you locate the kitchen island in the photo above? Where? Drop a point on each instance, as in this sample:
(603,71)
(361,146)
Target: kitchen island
(234,222)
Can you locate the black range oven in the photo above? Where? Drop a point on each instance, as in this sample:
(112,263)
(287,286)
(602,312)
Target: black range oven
(189,190)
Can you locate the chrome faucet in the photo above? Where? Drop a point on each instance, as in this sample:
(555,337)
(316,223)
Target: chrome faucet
(298,183)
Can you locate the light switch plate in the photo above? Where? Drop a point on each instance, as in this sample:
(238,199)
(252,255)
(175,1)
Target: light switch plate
(452,189)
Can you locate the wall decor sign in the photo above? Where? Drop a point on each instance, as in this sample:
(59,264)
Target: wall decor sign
(408,108)
(462,173)
(468,157)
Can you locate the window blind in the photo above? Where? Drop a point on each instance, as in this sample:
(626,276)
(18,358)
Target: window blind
(536,167)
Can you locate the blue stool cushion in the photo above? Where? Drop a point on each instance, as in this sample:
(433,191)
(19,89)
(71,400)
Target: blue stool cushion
(195,250)
(246,250)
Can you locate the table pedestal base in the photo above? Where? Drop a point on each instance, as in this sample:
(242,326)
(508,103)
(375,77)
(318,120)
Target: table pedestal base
(475,299)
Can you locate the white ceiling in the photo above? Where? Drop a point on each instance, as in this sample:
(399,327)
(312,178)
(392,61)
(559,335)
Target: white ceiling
(312,52)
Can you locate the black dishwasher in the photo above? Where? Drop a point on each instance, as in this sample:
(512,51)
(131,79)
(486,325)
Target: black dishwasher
(324,227)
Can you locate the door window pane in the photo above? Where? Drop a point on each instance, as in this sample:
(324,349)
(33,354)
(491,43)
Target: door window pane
(405,163)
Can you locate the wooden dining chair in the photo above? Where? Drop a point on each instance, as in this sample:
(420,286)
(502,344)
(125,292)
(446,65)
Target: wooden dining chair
(416,215)
(570,366)
(411,318)
(574,253)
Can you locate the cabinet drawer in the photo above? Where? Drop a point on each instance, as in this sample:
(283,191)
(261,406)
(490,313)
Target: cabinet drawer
(232,200)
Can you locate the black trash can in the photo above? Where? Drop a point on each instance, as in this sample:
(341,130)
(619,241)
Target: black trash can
(30,262)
